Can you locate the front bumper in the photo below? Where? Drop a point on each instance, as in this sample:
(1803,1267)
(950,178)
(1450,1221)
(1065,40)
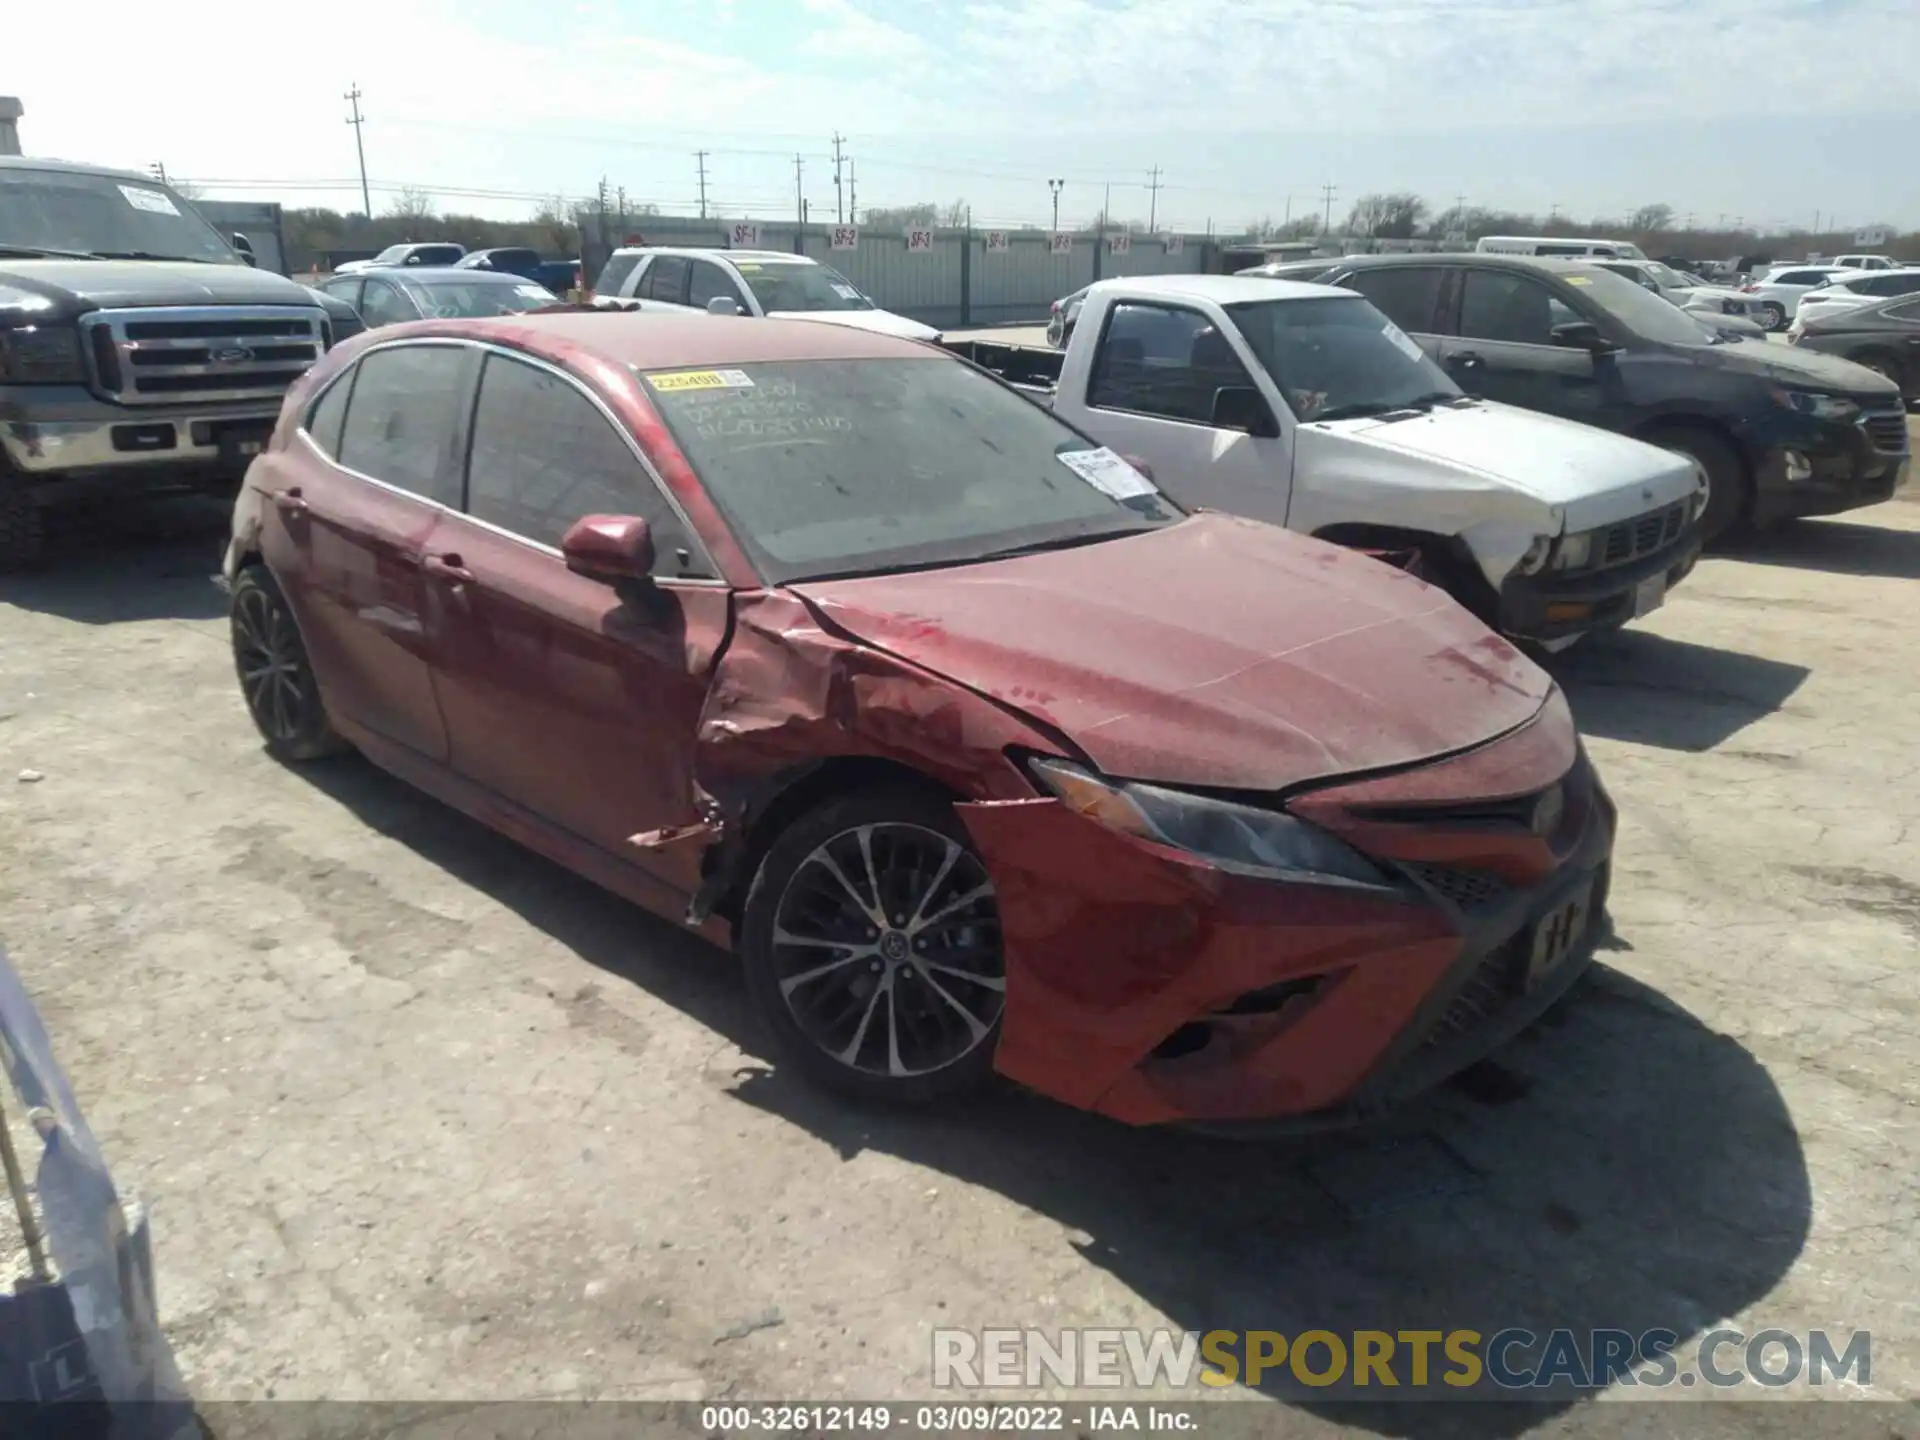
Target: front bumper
(52,434)
(1153,989)
(1557,606)
(1825,467)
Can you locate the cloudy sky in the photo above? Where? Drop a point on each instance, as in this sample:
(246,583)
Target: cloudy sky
(1763,110)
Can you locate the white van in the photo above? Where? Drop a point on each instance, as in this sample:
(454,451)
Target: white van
(1571,246)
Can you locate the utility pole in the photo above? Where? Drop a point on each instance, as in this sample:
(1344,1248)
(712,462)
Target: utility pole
(1326,213)
(839,210)
(1056,186)
(356,119)
(853,203)
(799,199)
(1153,199)
(159,170)
(622,203)
(700,158)
(1106,208)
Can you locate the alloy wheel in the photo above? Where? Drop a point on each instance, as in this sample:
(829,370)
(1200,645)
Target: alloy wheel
(886,946)
(273,671)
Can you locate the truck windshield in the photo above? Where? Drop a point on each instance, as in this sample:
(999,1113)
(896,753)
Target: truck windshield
(1337,358)
(785,285)
(106,215)
(848,467)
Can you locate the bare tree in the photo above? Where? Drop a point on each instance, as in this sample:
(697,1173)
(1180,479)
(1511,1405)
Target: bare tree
(558,224)
(1388,217)
(412,204)
(901,217)
(1651,219)
(956,215)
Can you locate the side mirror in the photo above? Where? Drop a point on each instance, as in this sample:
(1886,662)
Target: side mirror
(1241,407)
(615,549)
(723,305)
(1581,335)
(243,247)
(1142,466)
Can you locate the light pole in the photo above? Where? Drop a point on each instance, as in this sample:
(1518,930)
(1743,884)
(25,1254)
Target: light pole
(1056,186)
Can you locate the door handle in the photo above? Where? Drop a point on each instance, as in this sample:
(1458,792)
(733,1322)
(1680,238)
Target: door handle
(447,568)
(1468,360)
(289,501)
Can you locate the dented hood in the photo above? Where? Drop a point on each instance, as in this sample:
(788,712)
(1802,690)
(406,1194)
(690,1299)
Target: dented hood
(1216,652)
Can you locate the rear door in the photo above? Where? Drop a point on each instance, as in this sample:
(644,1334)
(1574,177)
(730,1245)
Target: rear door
(1152,390)
(664,281)
(1502,347)
(347,541)
(559,696)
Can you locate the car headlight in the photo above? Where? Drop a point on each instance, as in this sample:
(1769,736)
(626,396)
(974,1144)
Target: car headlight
(41,355)
(1574,551)
(1236,838)
(1535,558)
(1820,407)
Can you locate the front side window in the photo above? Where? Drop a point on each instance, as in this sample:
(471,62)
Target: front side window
(347,288)
(1515,309)
(401,424)
(709,283)
(392,255)
(791,285)
(1335,358)
(383,304)
(1408,295)
(858,466)
(1163,360)
(435,254)
(543,455)
(666,280)
(1644,313)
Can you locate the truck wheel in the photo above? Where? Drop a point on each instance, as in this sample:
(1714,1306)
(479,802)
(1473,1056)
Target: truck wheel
(1728,505)
(21,534)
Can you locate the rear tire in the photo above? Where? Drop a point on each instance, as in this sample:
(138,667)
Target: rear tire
(871,943)
(276,679)
(1729,496)
(22,535)
(1770,315)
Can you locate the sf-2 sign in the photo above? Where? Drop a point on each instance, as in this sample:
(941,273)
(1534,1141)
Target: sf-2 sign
(846,237)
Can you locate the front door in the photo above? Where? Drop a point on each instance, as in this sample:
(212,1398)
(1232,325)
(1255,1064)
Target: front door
(1152,394)
(1502,348)
(348,539)
(559,697)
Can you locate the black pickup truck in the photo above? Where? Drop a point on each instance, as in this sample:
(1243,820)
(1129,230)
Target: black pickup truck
(139,349)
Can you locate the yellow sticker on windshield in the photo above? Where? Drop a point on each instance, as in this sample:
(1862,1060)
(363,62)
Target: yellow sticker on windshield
(1578,280)
(701,380)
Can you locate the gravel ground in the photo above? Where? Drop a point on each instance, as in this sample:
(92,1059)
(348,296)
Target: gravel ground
(421,1116)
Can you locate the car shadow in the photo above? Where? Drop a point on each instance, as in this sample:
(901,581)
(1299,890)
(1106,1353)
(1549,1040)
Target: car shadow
(1841,547)
(1651,689)
(145,559)
(1618,1166)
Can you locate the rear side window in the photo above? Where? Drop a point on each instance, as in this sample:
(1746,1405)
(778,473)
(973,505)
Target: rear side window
(613,275)
(544,455)
(1408,295)
(1800,277)
(400,428)
(327,414)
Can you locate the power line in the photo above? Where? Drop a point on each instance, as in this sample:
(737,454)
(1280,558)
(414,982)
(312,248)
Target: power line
(701,157)
(356,120)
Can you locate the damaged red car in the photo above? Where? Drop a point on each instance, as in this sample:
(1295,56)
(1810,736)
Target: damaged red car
(981,753)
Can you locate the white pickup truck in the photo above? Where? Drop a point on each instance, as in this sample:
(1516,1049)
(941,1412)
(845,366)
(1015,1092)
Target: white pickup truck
(1304,406)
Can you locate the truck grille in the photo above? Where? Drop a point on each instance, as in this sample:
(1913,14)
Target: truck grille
(181,353)
(1888,431)
(1631,539)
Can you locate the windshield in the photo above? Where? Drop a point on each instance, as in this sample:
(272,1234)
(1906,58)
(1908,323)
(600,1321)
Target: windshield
(1669,277)
(1638,308)
(475,299)
(1340,357)
(854,466)
(104,215)
(784,285)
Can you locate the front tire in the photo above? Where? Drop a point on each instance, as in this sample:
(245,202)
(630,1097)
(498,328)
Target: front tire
(871,943)
(22,536)
(1728,500)
(276,678)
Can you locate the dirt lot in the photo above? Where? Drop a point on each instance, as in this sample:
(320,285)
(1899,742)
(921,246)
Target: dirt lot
(422,1116)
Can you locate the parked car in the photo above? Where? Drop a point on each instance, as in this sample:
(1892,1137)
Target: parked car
(981,753)
(1712,303)
(1566,246)
(1775,294)
(444,294)
(1778,432)
(746,282)
(139,349)
(1882,334)
(1304,406)
(435,253)
(1854,287)
(506,259)
(343,321)
(1064,314)
(1862,262)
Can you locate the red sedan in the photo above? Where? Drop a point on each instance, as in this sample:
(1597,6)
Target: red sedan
(980,752)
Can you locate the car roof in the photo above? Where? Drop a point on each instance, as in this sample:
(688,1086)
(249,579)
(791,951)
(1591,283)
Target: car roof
(657,340)
(72,167)
(1480,259)
(448,272)
(1879,274)
(1220,289)
(720,252)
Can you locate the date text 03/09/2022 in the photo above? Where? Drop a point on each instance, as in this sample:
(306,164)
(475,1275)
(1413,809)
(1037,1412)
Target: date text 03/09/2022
(941,1419)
